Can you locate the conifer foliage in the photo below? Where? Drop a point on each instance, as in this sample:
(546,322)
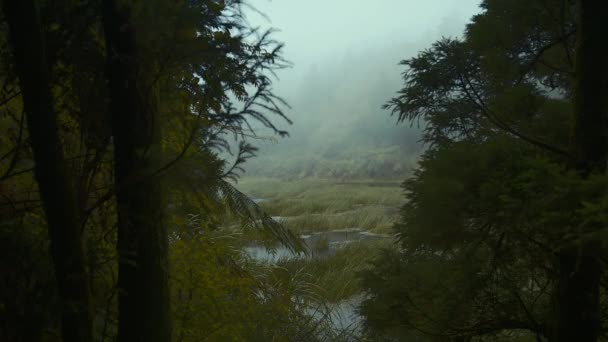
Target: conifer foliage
(502,235)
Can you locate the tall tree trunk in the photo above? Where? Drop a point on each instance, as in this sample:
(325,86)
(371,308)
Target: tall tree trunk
(578,311)
(143,301)
(55,184)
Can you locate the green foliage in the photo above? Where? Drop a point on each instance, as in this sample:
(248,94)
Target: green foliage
(27,291)
(218,296)
(475,268)
(210,73)
(336,275)
(494,199)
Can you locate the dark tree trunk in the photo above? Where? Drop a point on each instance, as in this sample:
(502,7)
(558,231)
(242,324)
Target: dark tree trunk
(143,301)
(56,188)
(578,309)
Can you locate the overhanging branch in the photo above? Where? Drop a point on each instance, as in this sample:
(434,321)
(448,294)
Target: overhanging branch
(474,96)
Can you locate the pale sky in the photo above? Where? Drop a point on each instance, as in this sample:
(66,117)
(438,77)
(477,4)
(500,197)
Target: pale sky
(319,31)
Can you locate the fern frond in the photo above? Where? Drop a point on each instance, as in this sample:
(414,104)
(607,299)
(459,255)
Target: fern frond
(253,216)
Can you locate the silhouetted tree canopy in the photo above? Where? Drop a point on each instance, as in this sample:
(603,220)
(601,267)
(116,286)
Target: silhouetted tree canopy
(502,235)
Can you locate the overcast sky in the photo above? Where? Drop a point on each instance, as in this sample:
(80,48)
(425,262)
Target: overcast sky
(317,32)
(345,56)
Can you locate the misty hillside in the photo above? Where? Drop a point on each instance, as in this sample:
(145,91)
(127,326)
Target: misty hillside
(339,82)
(340,129)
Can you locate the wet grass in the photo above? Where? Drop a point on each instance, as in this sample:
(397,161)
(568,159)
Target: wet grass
(316,205)
(312,204)
(314,195)
(373,219)
(337,275)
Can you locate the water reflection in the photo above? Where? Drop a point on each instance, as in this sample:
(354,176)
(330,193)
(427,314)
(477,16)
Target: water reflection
(321,244)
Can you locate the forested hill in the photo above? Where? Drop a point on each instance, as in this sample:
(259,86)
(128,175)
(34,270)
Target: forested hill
(340,129)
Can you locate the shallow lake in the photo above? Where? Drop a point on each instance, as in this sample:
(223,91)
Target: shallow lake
(321,244)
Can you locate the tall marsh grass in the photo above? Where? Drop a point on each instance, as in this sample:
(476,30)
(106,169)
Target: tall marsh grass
(372,219)
(337,275)
(312,195)
(313,205)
